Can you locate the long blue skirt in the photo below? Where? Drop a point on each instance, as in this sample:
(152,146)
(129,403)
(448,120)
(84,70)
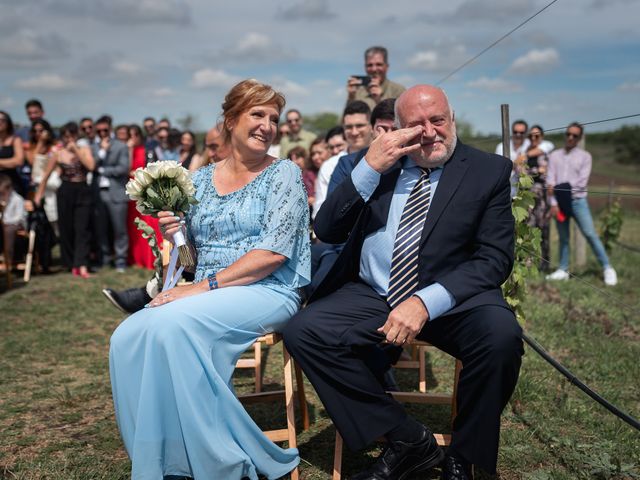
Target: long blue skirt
(171,369)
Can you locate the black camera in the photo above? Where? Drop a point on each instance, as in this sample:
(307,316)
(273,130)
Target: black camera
(364,79)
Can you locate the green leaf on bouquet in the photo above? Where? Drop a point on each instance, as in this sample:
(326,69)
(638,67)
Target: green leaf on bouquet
(151,193)
(175,196)
(150,234)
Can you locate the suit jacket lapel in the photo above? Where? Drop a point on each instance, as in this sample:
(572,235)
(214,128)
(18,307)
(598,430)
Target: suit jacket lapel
(450,179)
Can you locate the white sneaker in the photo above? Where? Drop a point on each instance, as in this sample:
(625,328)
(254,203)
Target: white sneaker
(559,274)
(610,277)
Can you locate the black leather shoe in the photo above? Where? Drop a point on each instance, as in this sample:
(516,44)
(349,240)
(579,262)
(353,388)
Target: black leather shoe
(128,301)
(401,459)
(455,469)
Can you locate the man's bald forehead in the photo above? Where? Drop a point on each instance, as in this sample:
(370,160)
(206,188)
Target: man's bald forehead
(417,93)
(215,132)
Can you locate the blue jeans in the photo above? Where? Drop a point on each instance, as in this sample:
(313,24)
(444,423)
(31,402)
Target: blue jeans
(583,218)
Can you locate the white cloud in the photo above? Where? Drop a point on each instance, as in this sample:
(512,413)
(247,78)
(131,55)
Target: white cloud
(27,46)
(629,87)
(535,61)
(127,68)
(599,4)
(312,10)
(162,92)
(173,12)
(494,85)
(48,82)
(439,59)
(290,88)
(254,47)
(6,102)
(210,78)
(496,10)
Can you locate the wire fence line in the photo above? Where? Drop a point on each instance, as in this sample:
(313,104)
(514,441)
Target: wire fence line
(613,193)
(630,308)
(486,49)
(533,343)
(498,138)
(627,247)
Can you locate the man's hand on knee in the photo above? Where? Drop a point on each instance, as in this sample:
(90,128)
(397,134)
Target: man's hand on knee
(405,321)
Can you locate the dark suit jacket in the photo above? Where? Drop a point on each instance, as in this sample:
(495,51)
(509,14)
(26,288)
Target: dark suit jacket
(116,169)
(468,237)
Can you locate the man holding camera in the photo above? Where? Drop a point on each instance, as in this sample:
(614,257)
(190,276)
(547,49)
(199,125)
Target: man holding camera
(373,87)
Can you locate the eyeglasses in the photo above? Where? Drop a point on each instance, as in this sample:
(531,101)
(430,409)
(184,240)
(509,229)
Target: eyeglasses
(293,120)
(88,128)
(102,130)
(572,135)
(535,135)
(356,126)
(518,133)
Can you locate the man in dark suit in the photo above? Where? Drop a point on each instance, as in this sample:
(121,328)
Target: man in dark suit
(112,177)
(429,240)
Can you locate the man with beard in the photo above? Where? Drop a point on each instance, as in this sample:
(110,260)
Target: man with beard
(429,240)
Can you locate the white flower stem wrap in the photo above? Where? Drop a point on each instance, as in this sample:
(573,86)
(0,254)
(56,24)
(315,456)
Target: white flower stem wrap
(164,186)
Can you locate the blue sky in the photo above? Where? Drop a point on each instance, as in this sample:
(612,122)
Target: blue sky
(578,60)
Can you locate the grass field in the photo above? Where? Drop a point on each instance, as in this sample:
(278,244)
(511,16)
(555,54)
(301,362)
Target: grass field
(56,415)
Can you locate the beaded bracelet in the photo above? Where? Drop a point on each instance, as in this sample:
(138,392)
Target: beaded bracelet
(213,281)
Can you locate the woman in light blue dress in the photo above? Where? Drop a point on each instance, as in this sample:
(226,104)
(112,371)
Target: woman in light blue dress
(171,364)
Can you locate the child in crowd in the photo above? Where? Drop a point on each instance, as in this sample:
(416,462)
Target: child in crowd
(14,215)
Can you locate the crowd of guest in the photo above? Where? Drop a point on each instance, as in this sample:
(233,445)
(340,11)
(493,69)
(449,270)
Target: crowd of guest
(78,176)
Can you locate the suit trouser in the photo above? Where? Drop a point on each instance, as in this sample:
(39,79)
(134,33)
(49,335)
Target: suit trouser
(114,214)
(330,337)
(74,211)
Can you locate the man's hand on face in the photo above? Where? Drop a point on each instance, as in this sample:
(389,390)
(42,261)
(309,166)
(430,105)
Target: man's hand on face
(105,142)
(405,321)
(389,147)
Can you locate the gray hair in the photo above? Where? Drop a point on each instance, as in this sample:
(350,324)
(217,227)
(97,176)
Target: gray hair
(376,49)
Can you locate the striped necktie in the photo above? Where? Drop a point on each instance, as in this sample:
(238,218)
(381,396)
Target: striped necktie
(403,279)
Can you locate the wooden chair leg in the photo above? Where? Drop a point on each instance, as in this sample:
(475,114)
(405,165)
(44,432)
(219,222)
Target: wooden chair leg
(257,354)
(422,369)
(302,401)
(29,259)
(288,395)
(8,262)
(337,458)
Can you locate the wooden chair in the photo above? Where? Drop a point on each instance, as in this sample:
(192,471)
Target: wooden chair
(287,434)
(6,260)
(422,396)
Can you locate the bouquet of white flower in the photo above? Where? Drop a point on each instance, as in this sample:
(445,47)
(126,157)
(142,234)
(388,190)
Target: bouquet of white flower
(164,186)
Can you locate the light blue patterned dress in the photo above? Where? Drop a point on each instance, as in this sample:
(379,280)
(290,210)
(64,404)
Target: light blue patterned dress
(171,366)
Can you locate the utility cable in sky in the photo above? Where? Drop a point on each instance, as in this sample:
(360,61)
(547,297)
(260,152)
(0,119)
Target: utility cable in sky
(496,42)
